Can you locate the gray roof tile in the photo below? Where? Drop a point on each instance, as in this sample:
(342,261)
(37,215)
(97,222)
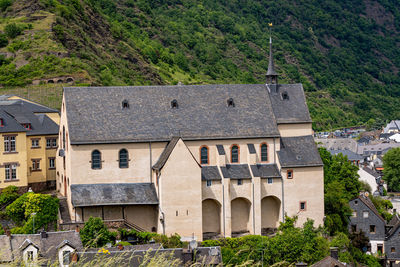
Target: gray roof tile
(210,173)
(83,195)
(95,114)
(345,152)
(236,171)
(265,170)
(299,151)
(292,110)
(165,154)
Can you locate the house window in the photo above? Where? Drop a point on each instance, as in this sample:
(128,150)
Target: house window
(209,183)
(264,152)
(10,172)
(123,158)
(35,164)
(353,228)
(9,143)
(372,229)
(66,257)
(51,143)
(63,137)
(354,214)
(29,255)
(174,104)
(289,174)
(356,202)
(239,182)
(27,126)
(96,159)
(204,155)
(230,102)
(365,214)
(235,154)
(35,143)
(270,180)
(1,122)
(393,249)
(303,205)
(125,104)
(52,163)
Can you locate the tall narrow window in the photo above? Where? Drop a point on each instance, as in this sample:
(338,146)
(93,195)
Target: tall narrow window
(264,152)
(204,155)
(235,154)
(63,137)
(96,159)
(123,158)
(7,168)
(9,143)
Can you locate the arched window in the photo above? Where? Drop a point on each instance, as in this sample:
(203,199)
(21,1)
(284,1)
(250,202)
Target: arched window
(264,152)
(235,154)
(96,159)
(123,158)
(204,155)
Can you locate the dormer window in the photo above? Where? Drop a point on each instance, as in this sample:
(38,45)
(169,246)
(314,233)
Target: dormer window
(125,104)
(27,126)
(1,122)
(231,103)
(174,104)
(285,96)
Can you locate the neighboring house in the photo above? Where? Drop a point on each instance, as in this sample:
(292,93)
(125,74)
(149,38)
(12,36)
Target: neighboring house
(45,247)
(330,261)
(372,178)
(365,140)
(385,136)
(337,143)
(30,132)
(192,160)
(375,150)
(392,127)
(366,218)
(351,156)
(395,137)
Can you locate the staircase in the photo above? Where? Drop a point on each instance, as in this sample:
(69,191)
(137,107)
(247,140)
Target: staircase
(64,211)
(133,226)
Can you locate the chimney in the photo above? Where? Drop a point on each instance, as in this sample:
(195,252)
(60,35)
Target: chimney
(301,264)
(334,253)
(43,234)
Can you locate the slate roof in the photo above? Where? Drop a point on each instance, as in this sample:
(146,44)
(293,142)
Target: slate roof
(236,171)
(95,114)
(370,205)
(350,154)
(210,173)
(299,152)
(48,247)
(252,149)
(292,110)
(265,170)
(221,150)
(371,172)
(30,105)
(83,195)
(328,262)
(16,113)
(165,154)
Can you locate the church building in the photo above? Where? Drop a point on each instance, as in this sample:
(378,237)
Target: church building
(197,160)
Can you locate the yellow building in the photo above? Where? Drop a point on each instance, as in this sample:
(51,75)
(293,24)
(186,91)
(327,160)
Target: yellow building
(29,135)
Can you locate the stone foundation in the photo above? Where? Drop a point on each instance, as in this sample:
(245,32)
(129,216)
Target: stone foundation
(43,186)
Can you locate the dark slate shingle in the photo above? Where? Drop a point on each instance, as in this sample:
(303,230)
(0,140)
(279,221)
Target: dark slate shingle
(299,151)
(95,114)
(165,154)
(292,110)
(236,171)
(84,195)
(265,170)
(252,149)
(210,173)
(221,150)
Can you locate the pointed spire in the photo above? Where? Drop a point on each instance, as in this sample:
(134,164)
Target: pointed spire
(272,75)
(271,67)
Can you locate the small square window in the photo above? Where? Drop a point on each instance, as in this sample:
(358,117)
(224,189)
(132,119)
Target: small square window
(270,180)
(356,202)
(209,183)
(303,205)
(239,182)
(35,142)
(354,214)
(393,249)
(365,214)
(372,229)
(354,228)
(289,174)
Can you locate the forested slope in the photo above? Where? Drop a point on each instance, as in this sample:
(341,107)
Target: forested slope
(346,53)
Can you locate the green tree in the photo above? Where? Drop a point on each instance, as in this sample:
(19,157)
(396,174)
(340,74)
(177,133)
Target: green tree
(3,40)
(391,169)
(12,30)
(95,233)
